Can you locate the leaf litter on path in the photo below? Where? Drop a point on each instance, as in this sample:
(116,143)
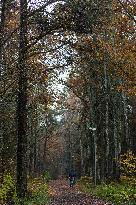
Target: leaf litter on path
(62,194)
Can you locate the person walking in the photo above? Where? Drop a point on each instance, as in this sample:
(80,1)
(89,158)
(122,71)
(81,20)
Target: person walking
(72,178)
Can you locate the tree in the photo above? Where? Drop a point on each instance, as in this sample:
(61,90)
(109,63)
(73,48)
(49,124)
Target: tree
(7,87)
(22,105)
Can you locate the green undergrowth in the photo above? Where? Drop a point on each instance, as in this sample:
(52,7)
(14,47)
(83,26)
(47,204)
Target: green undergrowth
(46,176)
(7,190)
(37,192)
(119,194)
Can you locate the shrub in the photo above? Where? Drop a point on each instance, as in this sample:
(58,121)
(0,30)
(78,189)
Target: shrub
(37,189)
(119,194)
(46,176)
(7,190)
(38,192)
(86,183)
(128,167)
(86,179)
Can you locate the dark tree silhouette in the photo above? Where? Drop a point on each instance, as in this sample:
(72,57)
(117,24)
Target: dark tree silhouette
(22,105)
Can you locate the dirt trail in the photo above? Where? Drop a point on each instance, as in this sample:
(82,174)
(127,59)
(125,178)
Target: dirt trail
(62,194)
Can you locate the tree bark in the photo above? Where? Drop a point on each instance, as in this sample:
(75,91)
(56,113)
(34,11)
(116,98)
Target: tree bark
(22,105)
(2,25)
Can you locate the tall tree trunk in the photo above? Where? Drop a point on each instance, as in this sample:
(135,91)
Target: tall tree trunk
(45,142)
(92,129)
(2,25)
(116,139)
(81,158)
(106,111)
(116,113)
(125,143)
(107,87)
(22,105)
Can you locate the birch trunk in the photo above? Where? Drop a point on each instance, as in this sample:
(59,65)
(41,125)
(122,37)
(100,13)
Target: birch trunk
(93,133)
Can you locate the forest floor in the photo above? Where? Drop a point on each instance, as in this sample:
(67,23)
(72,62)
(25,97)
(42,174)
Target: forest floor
(62,194)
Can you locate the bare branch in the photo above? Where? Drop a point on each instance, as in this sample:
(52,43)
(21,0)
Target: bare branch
(49,50)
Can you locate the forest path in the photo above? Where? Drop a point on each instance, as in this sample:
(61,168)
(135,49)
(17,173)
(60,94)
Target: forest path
(62,194)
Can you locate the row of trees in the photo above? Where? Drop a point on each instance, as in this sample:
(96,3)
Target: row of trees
(100,120)
(92,40)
